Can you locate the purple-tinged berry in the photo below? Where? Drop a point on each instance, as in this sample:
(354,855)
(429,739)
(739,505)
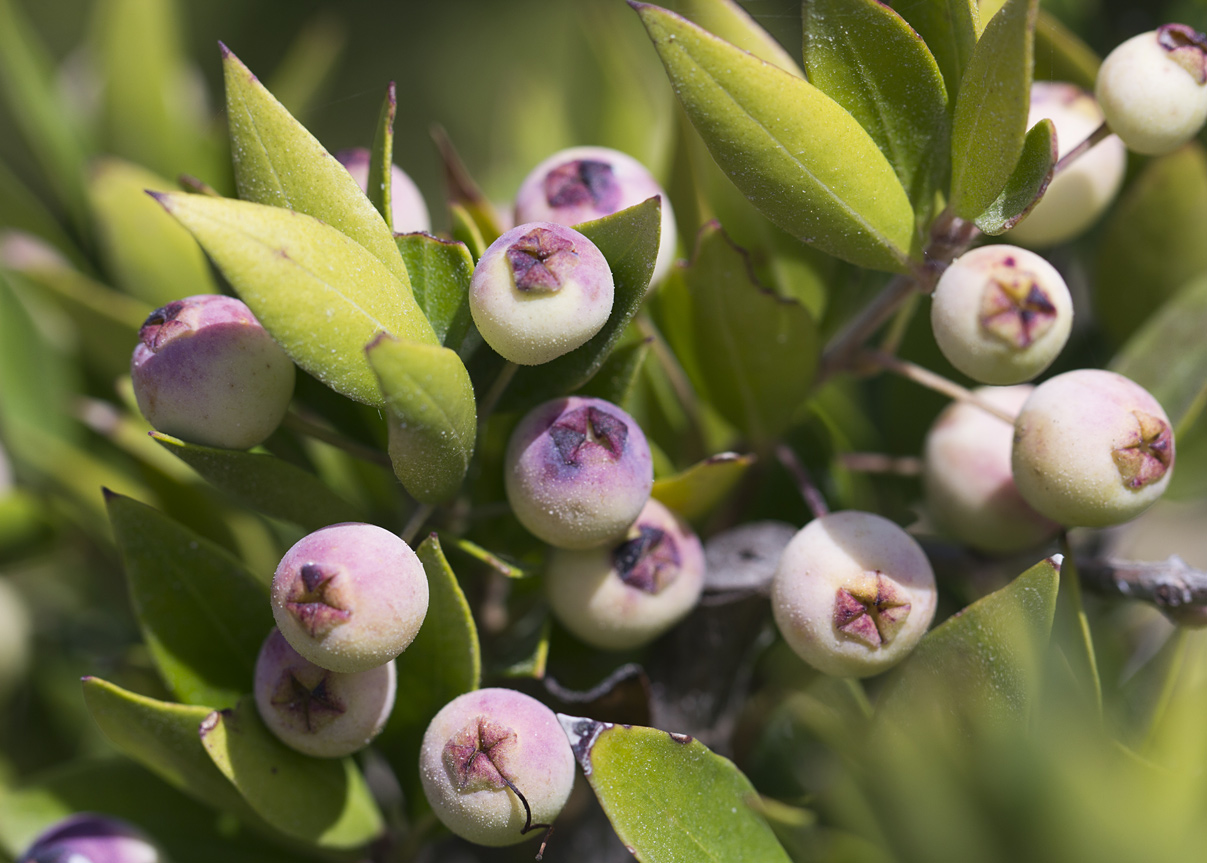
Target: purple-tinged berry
(408,211)
(578,471)
(349,597)
(539,291)
(327,714)
(853,594)
(1001,314)
(628,592)
(1092,449)
(586,183)
(89,838)
(495,766)
(206,371)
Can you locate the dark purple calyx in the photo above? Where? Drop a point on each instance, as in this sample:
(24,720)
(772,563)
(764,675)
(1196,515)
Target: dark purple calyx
(161,326)
(478,757)
(588,430)
(1014,308)
(649,561)
(872,612)
(1187,47)
(315,706)
(316,599)
(1148,457)
(542,260)
(583,181)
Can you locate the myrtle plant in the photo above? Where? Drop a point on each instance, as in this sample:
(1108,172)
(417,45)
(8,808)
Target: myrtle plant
(793,451)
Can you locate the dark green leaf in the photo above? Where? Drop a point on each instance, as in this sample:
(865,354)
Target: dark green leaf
(1061,56)
(990,119)
(432,413)
(1027,184)
(800,158)
(203,615)
(381,161)
(728,20)
(278,162)
(865,57)
(323,801)
(266,483)
(321,295)
(440,273)
(617,376)
(694,492)
(669,797)
(950,29)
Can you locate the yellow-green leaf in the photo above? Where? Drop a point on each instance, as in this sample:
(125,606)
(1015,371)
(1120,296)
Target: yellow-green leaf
(1027,184)
(694,492)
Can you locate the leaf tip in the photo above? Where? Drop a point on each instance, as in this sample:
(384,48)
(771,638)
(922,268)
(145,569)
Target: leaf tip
(381,336)
(226,52)
(108,494)
(582,733)
(1057,561)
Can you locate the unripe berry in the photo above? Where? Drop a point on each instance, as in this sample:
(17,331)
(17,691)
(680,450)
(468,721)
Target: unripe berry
(1092,449)
(853,594)
(1080,193)
(205,370)
(318,712)
(966,475)
(628,592)
(539,291)
(577,471)
(1153,88)
(408,211)
(586,183)
(89,838)
(1001,314)
(484,750)
(349,597)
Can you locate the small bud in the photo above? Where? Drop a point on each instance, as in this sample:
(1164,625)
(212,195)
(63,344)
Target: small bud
(408,211)
(89,838)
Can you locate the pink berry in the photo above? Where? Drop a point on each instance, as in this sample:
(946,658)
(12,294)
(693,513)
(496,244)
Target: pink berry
(408,211)
(89,838)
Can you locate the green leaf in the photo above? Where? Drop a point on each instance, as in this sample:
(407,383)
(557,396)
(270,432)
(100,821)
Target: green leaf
(149,254)
(202,614)
(509,568)
(266,483)
(694,492)
(381,161)
(1153,241)
(865,57)
(618,375)
(990,119)
(1060,55)
(629,242)
(475,220)
(794,152)
(440,273)
(1027,184)
(323,801)
(163,738)
(278,162)
(751,354)
(729,21)
(22,210)
(950,29)
(433,415)
(669,797)
(321,295)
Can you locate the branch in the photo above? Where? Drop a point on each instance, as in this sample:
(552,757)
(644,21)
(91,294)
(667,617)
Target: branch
(1168,584)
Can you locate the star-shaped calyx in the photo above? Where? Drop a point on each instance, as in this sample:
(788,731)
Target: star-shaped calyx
(649,561)
(316,599)
(1187,47)
(583,181)
(162,326)
(315,706)
(542,260)
(1148,456)
(588,430)
(477,757)
(873,611)
(1014,308)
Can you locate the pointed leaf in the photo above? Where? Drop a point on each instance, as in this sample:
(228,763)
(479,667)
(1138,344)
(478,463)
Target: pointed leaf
(669,797)
(990,119)
(322,801)
(202,614)
(266,483)
(865,57)
(381,161)
(278,162)
(470,207)
(694,492)
(950,29)
(509,568)
(1027,184)
(433,415)
(440,273)
(729,21)
(321,295)
(794,152)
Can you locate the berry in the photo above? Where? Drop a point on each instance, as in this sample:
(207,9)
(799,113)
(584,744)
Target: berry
(349,597)
(578,471)
(1001,314)
(539,291)
(586,183)
(205,370)
(1092,449)
(408,212)
(495,764)
(322,713)
(853,594)
(966,476)
(1153,88)
(630,591)
(89,838)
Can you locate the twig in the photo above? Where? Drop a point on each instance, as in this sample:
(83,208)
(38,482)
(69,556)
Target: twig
(863,325)
(303,426)
(491,400)
(418,517)
(808,489)
(1168,584)
(938,383)
(1100,134)
(876,462)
